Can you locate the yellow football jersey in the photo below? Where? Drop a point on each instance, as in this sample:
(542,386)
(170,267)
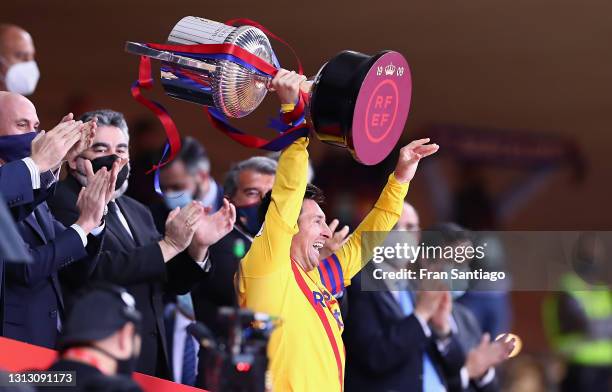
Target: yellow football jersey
(306,351)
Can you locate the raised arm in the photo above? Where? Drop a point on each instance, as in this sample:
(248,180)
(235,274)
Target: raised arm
(270,248)
(387,210)
(290,184)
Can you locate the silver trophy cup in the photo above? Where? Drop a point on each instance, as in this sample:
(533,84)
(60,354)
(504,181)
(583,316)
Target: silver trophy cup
(233,89)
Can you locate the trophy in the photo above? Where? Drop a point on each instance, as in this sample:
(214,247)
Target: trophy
(356,101)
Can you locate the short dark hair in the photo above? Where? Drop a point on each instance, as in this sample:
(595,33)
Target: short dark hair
(193,155)
(108,117)
(313,193)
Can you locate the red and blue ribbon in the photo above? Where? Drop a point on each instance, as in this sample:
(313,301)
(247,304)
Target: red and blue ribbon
(145,81)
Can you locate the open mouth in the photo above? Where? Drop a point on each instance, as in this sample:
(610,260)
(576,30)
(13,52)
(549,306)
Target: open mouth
(317,246)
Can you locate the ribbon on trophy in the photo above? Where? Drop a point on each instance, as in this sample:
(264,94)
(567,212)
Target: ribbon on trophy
(236,54)
(146,81)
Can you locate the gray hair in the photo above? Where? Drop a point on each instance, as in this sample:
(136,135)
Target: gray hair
(263,165)
(108,117)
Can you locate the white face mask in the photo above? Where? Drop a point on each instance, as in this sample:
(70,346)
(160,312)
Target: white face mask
(21,78)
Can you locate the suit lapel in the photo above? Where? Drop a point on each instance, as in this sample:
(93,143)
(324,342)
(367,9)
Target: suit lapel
(40,222)
(58,291)
(133,221)
(30,220)
(44,219)
(120,234)
(388,301)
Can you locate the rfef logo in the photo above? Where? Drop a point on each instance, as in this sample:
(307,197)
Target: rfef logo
(382,110)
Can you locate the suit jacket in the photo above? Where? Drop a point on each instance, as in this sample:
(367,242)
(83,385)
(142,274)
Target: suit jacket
(21,199)
(33,297)
(385,349)
(138,266)
(217,289)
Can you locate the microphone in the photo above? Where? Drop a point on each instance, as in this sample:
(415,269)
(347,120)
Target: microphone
(202,334)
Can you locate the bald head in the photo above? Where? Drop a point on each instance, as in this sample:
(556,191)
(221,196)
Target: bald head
(17,114)
(409,220)
(16,46)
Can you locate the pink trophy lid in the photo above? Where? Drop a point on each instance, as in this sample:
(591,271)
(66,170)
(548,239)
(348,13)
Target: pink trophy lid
(381,109)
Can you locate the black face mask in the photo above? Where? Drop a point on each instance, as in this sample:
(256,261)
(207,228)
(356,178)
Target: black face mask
(248,218)
(107,162)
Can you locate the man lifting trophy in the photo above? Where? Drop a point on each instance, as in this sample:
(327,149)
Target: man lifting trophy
(356,101)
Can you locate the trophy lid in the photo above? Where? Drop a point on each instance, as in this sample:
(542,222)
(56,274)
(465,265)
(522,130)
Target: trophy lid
(362,102)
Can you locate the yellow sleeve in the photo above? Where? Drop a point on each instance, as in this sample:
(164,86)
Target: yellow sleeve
(354,255)
(270,248)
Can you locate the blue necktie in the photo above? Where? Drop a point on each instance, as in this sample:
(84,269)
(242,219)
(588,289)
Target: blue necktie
(46,180)
(188,376)
(431,379)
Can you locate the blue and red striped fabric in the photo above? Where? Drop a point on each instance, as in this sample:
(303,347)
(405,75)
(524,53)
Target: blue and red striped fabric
(331,274)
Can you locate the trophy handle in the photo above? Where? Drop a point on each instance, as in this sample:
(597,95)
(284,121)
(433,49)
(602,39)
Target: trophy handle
(143,50)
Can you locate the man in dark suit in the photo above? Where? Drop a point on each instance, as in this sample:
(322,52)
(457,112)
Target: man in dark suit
(26,162)
(17,181)
(391,342)
(185,179)
(33,299)
(401,340)
(134,254)
(390,350)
